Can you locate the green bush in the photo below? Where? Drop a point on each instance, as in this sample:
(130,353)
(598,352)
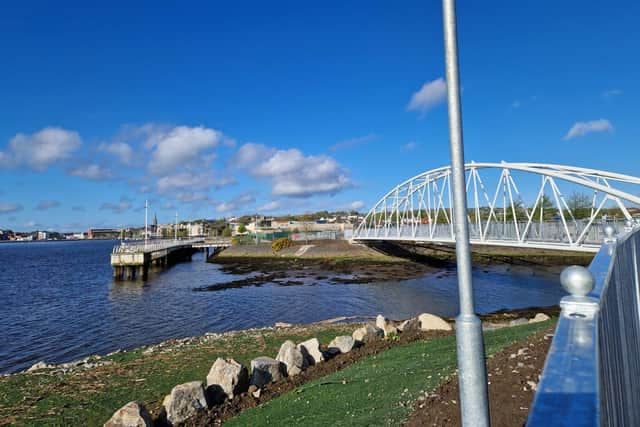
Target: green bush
(281,243)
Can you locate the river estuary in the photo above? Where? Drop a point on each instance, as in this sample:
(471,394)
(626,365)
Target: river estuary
(58,301)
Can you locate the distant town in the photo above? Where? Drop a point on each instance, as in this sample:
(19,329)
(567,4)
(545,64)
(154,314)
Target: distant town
(320,224)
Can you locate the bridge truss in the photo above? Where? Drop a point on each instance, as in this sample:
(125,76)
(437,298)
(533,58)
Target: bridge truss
(542,216)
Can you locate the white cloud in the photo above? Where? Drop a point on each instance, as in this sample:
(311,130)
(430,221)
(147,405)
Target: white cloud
(353,142)
(182,180)
(410,146)
(270,206)
(292,173)
(41,149)
(188,180)
(430,94)
(122,206)
(91,172)
(47,204)
(178,147)
(251,154)
(357,205)
(611,93)
(6,208)
(121,150)
(583,128)
(236,203)
(191,196)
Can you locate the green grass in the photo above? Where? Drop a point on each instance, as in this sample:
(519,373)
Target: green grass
(378,390)
(90,397)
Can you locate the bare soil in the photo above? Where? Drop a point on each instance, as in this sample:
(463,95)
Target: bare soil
(218,414)
(513,375)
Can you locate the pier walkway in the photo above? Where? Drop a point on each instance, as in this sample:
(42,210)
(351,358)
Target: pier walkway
(132,260)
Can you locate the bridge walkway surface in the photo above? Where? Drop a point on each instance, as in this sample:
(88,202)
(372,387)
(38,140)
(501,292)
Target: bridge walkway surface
(132,260)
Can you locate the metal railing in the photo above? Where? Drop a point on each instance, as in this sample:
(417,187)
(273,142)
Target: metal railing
(152,245)
(592,372)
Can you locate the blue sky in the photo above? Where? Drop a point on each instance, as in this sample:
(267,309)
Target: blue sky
(218,109)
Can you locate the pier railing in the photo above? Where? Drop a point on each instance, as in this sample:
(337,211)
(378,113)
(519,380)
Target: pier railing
(592,373)
(152,245)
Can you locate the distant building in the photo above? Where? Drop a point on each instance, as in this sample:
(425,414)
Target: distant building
(154,226)
(103,233)
(195,230)
(42,235)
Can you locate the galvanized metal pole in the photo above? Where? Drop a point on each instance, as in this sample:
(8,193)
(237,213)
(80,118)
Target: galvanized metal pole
(474,402)
(146,220)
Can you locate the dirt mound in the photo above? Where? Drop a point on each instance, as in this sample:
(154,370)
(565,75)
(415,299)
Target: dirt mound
(513,375)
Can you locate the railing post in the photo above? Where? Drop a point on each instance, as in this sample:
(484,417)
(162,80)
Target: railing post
(474,401)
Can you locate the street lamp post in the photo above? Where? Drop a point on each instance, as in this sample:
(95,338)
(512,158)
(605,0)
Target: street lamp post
(474,402)
(146,221)
(175,237)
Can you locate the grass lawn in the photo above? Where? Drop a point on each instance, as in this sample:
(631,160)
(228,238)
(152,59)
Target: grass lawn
(378,390)
(89,398)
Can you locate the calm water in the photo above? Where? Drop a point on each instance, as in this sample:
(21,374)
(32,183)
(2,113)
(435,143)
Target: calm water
(58,302)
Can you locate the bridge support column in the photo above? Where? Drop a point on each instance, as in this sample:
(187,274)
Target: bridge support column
(143,272)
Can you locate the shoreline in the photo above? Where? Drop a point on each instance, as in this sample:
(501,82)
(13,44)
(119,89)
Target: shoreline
(88,391)
(489,320)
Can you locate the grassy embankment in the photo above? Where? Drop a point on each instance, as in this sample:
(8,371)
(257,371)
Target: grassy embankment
(370,391)
(378,390)
(89,397)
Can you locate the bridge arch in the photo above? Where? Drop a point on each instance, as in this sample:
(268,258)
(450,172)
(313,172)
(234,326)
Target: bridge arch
(420,209)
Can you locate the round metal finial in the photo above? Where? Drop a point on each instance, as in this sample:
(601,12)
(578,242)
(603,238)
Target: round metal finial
(577,280)
(610,232)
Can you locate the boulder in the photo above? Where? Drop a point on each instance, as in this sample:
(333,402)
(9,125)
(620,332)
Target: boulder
(265,370)
(133,414)
(311,351)
(387,326)
(409,325)
(367,334)
(342,344)
(381,321)
(430,322)
(540,317)
(292,357)
(40,365)
(283,325)
(226,379)
(184,401)
(518,321)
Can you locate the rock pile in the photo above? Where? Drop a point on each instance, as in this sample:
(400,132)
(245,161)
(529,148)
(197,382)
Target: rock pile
(228,378)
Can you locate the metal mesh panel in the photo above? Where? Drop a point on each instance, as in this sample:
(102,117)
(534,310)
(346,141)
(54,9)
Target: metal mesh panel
(619,339)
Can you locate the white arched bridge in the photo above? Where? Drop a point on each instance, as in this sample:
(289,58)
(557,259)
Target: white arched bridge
(533,205)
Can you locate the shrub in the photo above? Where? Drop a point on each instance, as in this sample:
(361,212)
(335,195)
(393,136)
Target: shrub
(281,243)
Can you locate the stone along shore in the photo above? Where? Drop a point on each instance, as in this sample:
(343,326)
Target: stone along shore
(195,402)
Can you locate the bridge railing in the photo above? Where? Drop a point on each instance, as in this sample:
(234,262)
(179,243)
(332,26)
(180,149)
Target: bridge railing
(591,376)
(152,245)
(547,231)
